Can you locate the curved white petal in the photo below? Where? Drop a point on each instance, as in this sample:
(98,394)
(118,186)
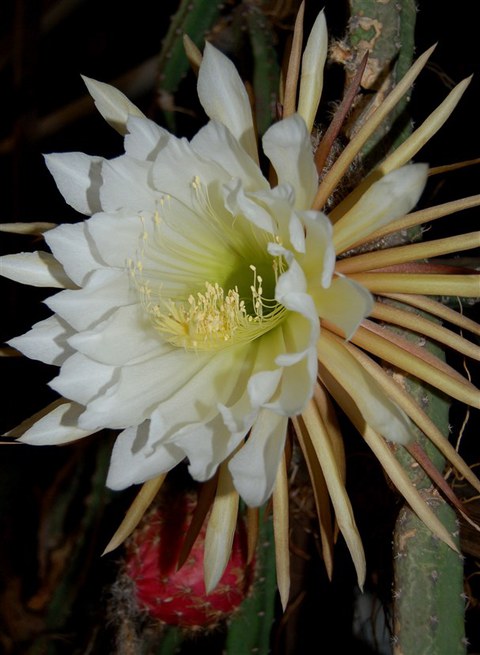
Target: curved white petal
(288,146)
(224,97)
(132,463)
(78,178)
(38,269)
(124,336)
(107,289)
(240,204)
(215,142)
(57,427)
(206,445)
(70,246)
(179,171)
(46,341)
(145,139)
(126,188)
(81,379)
(392,196)
(318,263)
(345,304)
(113,105)
(116,238)
(187,382)
(254,467)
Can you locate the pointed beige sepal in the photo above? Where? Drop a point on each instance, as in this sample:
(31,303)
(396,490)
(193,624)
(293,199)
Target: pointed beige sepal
(36,228)
(194,55)
(338,494)
(437,309)
(338,170)
(6,351)
(113,105)
(281,532)
(253,521)
(409,148)
(220,529)
(421,216)
(412,252)
(137,509)
(293,70)
(387,459)
(400,479)
(403,399)
(426,284)
(313,63)
(320,493)
(447,168)
(425,327)
(416,361)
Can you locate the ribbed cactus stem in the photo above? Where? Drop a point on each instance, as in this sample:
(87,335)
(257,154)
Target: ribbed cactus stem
(429,601)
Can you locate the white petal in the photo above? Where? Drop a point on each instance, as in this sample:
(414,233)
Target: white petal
(313,63)
(132,462)
(345,303)
(107,289)
(296,387)
(224,97)
(206,446)
(81,379)
(187,381)
(116,238)
(72,248)
(46,341)
(318,263)
(290,292)
(124,336)
(39,269)
(288,146)
(300,334)
(145,138)
(58,427)
(113,105)
(262,386)
(215,142)
(178,166)
(239,204)
(126,187)
(78,178)
(254,467)
(392,196)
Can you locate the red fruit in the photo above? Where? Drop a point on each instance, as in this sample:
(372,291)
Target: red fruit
(178,597)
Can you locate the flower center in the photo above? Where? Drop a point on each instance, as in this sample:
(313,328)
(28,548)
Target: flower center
(213,318)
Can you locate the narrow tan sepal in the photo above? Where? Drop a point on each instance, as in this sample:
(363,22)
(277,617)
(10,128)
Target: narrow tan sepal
(135,512)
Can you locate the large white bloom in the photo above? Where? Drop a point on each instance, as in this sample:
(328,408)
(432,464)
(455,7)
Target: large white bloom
(203,305)
(190,317)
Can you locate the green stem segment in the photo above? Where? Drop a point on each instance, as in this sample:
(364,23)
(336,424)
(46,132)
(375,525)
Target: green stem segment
(429,606)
